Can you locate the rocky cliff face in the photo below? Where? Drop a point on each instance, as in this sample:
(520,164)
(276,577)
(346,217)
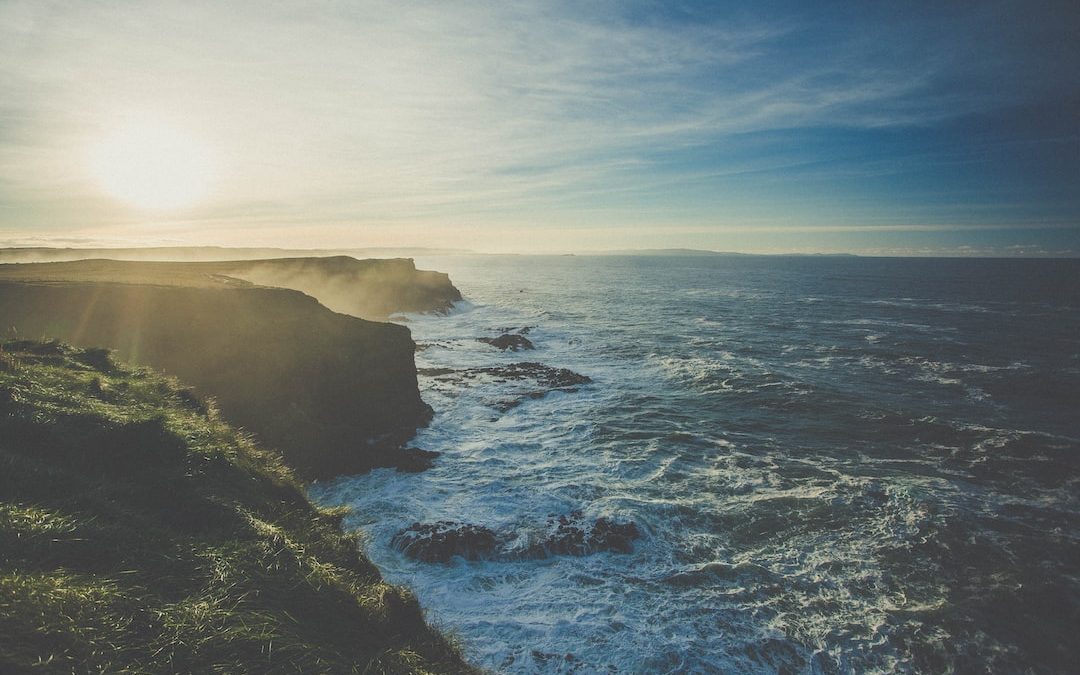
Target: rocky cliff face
(372,289)
(139,533)
(334,393)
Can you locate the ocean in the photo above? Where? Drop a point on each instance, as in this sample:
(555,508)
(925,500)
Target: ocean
(833,464)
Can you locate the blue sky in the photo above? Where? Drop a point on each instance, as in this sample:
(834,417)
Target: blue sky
(883,128)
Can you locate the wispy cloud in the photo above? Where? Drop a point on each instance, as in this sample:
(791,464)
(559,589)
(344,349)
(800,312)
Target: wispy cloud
(430,113)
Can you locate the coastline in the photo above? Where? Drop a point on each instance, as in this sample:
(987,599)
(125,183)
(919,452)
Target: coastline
(333,392)
(141,533)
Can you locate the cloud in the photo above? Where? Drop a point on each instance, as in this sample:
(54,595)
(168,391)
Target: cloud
(435,112)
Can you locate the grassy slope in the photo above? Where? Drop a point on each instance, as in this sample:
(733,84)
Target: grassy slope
(139,533)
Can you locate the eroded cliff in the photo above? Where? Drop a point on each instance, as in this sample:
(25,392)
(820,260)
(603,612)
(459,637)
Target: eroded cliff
(334,393)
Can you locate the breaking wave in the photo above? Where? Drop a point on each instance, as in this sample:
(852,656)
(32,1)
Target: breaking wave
(820,476)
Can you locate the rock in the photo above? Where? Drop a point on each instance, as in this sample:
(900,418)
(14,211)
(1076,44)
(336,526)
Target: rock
(608,535)
(546,376)
(537,380)
(370,289)
(413,460)
(509,342)
(442,540)
(569,534)
(311,383)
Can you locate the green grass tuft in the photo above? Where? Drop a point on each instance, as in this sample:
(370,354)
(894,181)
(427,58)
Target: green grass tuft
(140,533)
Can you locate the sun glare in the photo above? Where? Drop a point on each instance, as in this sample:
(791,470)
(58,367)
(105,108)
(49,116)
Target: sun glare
(152,166)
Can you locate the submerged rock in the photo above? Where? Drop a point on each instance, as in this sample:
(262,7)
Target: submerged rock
(442,540)
(572,535)
(568,534)
(509,342)
(546,376)
(608,535)
(536,380)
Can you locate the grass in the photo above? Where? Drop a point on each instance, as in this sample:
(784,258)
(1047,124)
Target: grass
(141,533)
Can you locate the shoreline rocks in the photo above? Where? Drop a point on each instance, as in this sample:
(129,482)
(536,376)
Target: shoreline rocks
(508,342)
(538,379)
(443,540)
(568,534)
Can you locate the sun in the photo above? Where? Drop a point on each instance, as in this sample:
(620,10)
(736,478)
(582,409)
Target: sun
(152,166)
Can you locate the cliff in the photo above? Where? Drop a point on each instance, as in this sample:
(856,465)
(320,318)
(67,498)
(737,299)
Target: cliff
(334,393)
(140,533)
(370,289)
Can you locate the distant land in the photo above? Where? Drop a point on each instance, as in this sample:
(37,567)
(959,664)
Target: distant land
(706,252)
(667,252)
(208,253)
(24,254)
(225,253)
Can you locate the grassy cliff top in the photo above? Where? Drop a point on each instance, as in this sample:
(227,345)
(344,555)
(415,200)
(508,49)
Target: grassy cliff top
(371,289)
(199,275)
(140,533)
(203,274)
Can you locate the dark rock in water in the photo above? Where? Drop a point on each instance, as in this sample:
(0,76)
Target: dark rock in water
(568,534)
(571,535)
(522,330)
(537,378)
(546,376)
(608,535)
(509,341)
(414,460)
(441,541)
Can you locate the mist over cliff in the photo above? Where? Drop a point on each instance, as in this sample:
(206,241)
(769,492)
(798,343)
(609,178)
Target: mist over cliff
(333,392)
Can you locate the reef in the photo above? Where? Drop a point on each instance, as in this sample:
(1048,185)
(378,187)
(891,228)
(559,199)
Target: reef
(567,534)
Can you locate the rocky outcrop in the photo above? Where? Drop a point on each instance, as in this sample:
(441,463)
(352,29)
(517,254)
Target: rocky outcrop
(508,342)
(443,540)
(371,289)
(518,382)
(572,535)
(334,393)
(569,534)
(413,460)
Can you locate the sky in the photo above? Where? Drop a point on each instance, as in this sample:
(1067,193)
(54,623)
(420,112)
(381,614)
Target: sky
(880,128)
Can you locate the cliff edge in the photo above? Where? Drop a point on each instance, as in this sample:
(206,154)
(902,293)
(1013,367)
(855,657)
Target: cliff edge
(334,393)
(140,533)
(370,289)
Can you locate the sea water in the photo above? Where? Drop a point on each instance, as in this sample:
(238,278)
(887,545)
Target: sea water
(836,464)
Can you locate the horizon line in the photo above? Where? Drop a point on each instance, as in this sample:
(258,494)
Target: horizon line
(421,251)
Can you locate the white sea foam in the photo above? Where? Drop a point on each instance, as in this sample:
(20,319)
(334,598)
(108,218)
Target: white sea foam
(777,467)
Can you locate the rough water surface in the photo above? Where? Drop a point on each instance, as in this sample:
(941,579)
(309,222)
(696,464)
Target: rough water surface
(832,464)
